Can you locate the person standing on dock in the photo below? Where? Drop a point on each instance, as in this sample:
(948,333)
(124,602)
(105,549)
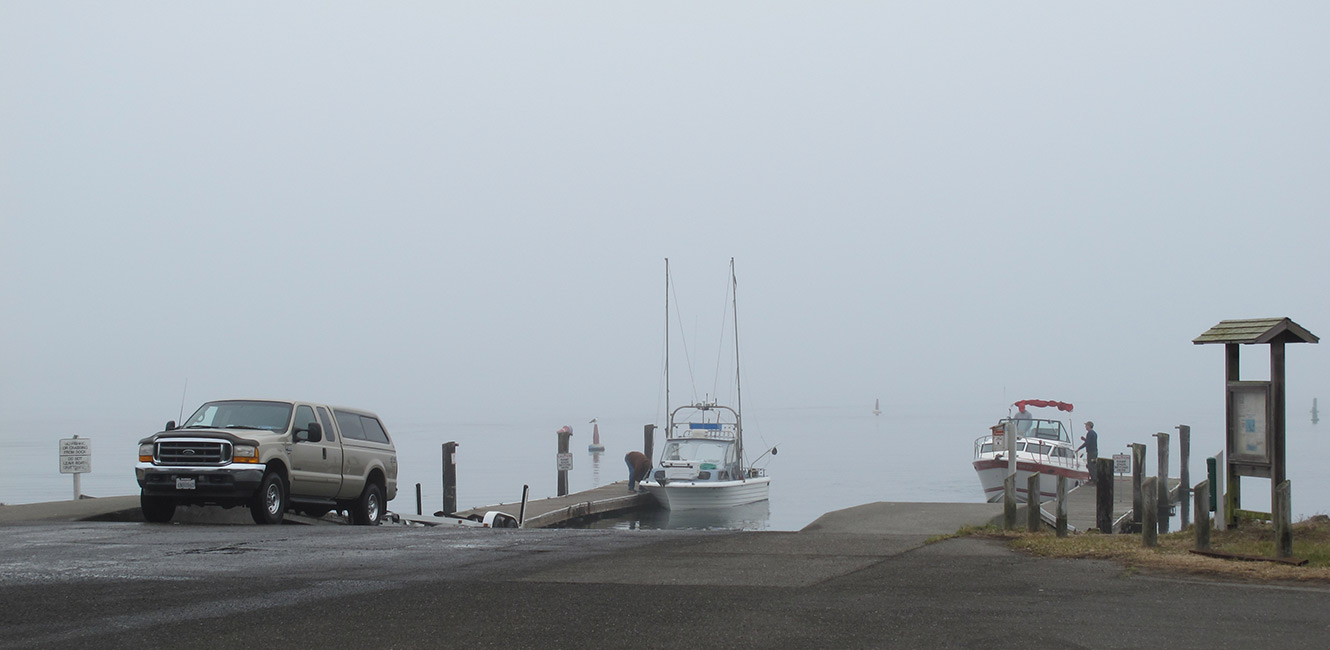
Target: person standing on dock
(1090,443)
(639,466)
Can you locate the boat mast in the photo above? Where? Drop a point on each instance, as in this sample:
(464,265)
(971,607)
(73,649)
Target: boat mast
(668,415)
(738,387)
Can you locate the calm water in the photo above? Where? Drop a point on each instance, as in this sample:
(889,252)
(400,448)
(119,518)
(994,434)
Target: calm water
(828,459)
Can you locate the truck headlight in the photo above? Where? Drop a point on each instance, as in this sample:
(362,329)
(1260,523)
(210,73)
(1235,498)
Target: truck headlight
(145,453)
(245,454)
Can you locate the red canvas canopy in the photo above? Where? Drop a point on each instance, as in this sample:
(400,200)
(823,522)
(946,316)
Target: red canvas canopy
(1061,406)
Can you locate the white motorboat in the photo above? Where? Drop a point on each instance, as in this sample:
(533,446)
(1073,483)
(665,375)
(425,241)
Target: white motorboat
(701,464)
(1043,446)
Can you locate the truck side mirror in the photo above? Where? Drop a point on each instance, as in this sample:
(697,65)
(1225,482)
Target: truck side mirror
(170,425)
(313,434)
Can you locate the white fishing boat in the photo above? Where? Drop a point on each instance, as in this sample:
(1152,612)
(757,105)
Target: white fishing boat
(702,463)
(1043,446)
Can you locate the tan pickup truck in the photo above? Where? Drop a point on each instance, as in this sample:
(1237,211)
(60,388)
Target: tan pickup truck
(270,456)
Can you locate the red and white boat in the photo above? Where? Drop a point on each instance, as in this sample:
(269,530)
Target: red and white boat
(1043,446)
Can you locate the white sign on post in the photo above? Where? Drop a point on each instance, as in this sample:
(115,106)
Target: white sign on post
(75,455)
(565,462)
(1121,464)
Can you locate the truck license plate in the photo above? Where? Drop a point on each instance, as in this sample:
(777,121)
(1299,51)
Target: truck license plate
(183,483)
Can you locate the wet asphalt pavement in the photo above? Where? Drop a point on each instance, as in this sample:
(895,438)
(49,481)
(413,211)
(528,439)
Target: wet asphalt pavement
(134,585)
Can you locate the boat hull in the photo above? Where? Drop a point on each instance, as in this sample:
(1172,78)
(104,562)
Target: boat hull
(993,471)
(689,495)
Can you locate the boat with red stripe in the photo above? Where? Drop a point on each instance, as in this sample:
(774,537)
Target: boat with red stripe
(1042,446)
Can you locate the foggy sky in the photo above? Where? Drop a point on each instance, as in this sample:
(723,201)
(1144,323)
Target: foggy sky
(461,210)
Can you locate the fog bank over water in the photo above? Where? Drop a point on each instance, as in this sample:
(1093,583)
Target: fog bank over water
(457,214)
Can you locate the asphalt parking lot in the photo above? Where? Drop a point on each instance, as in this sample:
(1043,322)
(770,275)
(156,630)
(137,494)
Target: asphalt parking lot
(134,585)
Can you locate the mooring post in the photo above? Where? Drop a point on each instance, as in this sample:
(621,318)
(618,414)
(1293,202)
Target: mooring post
(649,441)
(1009,502)
(1032,498)
(1283,514)
(1061,518)
(1137,476)
(450,477)
(1217,473)
(1162,504)
(1150,518)
(564,434)
(1202,505)
(1184,472)
(419,505)
(1103,504)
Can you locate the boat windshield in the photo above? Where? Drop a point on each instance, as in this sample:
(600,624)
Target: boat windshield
(707,451)
(1046,429)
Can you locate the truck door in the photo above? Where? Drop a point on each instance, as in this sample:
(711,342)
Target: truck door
(316,467)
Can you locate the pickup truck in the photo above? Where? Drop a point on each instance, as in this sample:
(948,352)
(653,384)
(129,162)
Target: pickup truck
(270,456)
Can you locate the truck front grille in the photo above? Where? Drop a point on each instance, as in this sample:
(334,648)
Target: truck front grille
(193,452)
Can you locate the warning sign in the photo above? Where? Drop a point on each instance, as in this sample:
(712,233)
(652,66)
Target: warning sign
(75,455)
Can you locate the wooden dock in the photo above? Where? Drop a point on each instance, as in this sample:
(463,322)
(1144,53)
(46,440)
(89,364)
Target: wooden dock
(543,513)
(1081,505)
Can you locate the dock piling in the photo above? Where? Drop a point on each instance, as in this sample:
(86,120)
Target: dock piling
(1202,497)
(1009,502)
(1150,517)
(1061,519)
(450,477)
(1032,497)
(1103,511)
(1161,503)
(1137,476)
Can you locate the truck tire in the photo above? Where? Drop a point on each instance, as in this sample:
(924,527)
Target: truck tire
(156,510)
(268,505)
(368,508)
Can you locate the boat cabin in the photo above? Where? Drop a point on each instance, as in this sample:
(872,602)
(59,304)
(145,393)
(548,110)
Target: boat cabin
(1034,436)
(702,451)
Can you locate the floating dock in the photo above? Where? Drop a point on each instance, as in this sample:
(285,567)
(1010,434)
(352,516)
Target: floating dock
(1081,505)
(544,513)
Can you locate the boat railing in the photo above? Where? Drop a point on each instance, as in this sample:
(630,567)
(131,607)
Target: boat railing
(1036,447)
(723,432)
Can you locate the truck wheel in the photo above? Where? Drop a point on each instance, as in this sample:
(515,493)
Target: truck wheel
(268,505)
(368,509)
(157,510)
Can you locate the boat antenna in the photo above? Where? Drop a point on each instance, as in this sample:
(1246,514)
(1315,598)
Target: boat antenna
(738,388)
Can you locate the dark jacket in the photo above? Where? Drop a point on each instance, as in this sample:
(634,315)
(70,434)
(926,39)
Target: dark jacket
(640,463)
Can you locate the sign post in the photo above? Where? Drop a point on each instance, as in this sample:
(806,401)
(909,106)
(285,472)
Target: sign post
(76,459)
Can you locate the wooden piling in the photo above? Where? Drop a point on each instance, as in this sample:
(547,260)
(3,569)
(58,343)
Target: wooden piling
(1202,506)
(1161,504)
(1282,511)
(1009,502)
(1150,518)
(563,449)
(1061,519)
(1103,511)
(1184,471)
(1032,497)
(450,477)
(1137,477)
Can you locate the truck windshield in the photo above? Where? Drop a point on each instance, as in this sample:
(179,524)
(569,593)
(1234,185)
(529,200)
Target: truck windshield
(271,416)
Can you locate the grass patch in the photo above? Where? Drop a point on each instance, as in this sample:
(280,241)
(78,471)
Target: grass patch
(1311,541)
